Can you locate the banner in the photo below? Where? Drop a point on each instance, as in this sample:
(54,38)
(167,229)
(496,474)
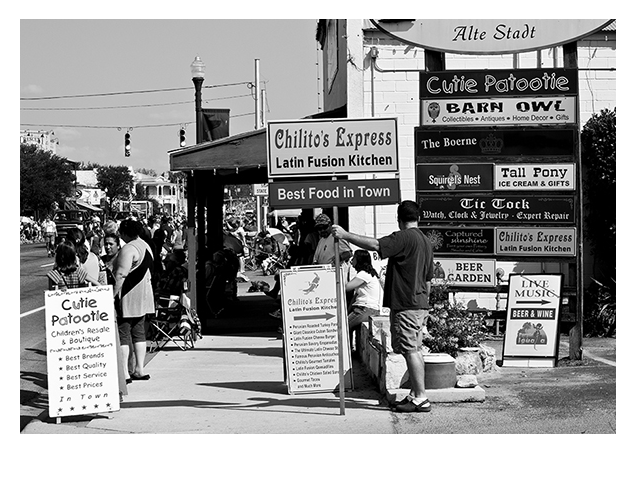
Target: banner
(216,123)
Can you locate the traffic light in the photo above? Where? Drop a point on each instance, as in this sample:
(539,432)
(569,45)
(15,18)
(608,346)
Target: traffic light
(182,139)
(127,144)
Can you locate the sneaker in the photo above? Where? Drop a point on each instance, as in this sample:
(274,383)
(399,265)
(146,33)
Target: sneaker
(411,407)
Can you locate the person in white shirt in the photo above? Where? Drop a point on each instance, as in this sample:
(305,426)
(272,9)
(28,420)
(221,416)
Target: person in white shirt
(367,293)
(50,232)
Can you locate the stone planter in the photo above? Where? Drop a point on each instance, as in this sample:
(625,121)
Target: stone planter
(439,371)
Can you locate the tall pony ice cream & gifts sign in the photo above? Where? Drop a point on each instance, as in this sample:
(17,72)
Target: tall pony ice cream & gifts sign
(81,351)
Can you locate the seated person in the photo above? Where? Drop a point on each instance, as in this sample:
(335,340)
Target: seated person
(173,276)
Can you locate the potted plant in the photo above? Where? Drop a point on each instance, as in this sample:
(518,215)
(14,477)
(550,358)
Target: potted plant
(451,328)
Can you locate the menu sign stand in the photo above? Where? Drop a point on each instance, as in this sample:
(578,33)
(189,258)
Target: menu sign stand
(311,329)
(81,351)
(532,321)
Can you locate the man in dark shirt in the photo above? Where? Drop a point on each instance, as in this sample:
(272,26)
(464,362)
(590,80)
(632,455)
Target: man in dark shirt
(406,291)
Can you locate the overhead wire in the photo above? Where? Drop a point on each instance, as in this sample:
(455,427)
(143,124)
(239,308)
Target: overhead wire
(124,106)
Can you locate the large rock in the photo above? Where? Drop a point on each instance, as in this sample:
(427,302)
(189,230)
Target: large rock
(468,361)
(466,381)
(488,358)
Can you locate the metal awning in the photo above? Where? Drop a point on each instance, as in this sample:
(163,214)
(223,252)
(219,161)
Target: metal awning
(224,156)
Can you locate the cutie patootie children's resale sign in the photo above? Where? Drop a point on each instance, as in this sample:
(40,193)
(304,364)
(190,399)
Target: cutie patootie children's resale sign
(81,351)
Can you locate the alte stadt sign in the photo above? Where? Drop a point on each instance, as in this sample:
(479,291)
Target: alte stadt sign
(487,36)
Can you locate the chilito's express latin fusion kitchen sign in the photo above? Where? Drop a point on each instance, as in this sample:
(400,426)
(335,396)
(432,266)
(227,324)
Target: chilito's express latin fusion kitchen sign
(332,147)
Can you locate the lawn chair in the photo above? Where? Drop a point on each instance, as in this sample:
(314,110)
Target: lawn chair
(174,322)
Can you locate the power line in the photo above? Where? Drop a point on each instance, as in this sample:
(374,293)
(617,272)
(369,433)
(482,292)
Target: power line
(128,106)
(128,92)
(34,125)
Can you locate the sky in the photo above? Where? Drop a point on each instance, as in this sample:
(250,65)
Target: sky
(79,57)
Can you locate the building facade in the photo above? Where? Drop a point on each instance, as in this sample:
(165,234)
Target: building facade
(45,140)
(372,74)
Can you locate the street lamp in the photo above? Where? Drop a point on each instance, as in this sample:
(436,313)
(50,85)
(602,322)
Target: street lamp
(197,68)
(196,275)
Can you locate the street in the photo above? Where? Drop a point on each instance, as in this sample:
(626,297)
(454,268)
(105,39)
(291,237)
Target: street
(34,265)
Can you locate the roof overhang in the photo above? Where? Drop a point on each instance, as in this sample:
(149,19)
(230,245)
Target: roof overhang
(224,156)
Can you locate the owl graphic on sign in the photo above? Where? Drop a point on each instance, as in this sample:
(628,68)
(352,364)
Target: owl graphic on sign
(433,110)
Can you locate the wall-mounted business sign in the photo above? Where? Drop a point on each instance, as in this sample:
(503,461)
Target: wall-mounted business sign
(464,272)
(461,240)
(487,36)
(500,111)
(451,177)
(498,83)
(532,320)
(305,194)
(332,147)
(536,241)
(500,209)
(500,142)
(535,176)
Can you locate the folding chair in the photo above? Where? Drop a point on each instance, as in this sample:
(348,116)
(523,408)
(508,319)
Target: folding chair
(173,323)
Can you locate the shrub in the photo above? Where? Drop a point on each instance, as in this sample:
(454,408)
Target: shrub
(600,317)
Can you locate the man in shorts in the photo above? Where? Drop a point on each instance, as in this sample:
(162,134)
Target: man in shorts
(406,291)
(50,231)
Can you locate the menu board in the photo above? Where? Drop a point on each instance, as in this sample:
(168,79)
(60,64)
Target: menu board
(81,351)
(310,322)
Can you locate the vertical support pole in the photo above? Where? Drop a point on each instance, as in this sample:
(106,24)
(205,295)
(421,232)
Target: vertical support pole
(339,313)
(257,96)
(433,61)
(192,248)
(570,60)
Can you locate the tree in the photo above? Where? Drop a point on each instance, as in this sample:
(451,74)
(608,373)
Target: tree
(117,182)
(598,156)
(45,178)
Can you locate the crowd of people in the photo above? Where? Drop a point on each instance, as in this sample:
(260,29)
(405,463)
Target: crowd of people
(144,260)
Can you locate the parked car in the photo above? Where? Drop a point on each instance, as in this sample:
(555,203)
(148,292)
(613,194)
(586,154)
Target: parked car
(66,219)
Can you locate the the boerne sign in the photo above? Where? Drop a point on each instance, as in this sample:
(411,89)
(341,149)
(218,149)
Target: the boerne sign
(488,142)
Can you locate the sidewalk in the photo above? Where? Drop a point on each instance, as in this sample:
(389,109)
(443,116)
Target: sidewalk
(232,383)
